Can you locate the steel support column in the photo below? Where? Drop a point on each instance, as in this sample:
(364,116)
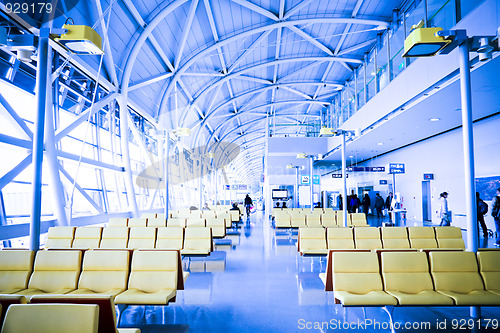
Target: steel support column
(311,161)
(124,134)
(52,163)
(166,170)
(41,95)
(468,142)
(344,182)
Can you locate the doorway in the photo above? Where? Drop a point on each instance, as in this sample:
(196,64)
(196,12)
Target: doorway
(426,201)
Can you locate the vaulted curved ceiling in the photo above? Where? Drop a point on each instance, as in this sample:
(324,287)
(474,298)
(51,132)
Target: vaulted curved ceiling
(222,67)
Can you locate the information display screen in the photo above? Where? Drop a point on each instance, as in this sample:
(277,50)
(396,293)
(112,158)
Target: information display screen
(280,194)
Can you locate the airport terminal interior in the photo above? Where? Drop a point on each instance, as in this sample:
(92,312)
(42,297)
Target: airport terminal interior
(249,166)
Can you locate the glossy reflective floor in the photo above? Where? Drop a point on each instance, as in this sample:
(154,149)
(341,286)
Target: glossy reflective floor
(261,284)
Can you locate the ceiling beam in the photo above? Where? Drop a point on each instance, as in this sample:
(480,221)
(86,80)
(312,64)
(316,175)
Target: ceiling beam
(297,8)
(256,9)
(314,41)
(185,32)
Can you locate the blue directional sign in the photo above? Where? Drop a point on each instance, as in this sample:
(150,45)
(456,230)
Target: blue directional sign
(339,175)
(396,168)
(365,169)
(383,182)
(316,179)
(227,187)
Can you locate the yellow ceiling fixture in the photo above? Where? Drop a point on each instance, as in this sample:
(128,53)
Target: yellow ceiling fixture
(424,42)
(81,39)
(182,131)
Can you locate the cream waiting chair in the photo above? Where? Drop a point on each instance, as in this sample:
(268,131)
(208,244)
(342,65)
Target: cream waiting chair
(357,280)
(153,278)
(53,318)
(141,238)
(449,237)
(55,272)
(456,275)
(114,238)
(87,238)
(406,276)
(395,238)
(197,241)
(157,222)
(118,222)
(170,238)
(105,272)
(15,270)
(60,237)
(137,222)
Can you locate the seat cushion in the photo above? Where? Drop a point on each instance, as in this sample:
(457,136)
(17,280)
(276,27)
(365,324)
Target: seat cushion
(425,297)
(135,296)
(475,297)
(377,298)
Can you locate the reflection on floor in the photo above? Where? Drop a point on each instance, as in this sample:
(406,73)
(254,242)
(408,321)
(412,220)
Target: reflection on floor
(259,283)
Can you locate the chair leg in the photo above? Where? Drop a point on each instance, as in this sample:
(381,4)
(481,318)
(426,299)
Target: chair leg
(390,310)
(121,308)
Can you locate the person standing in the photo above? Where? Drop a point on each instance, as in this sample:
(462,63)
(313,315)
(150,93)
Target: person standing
(495,212)
(340,202)
(248,204)
(354,203)
(379,205)
(444,213)
(366,202)
(482,209)
(388,204)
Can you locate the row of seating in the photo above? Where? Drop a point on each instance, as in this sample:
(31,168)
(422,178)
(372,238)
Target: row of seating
(303,210)
(219,212)
(315,241)
(218,223)
(191,241)
(439,278)
(317,219)
(81,315)
(150,277)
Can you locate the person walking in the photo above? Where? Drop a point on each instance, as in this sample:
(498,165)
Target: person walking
(482,209)
(444,213)
(379,205)
(248,204)
(388,205)
(495,212)
(366,202)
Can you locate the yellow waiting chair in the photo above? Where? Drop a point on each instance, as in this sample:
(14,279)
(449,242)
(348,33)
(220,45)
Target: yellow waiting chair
(15,270)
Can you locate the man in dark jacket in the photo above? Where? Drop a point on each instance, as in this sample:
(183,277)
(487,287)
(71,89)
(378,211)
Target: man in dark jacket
(379,205)
(388,204)
(248,204)
(482,209)
(495,212)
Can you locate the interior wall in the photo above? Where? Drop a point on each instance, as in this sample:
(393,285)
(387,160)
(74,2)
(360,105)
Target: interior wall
(442,156)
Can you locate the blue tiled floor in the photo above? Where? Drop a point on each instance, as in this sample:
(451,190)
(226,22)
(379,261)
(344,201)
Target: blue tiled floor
(261,284)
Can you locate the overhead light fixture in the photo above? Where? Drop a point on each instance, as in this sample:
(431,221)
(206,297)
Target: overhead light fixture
(81,39)
(435,119)
(351,156)
(302,155)
(380,143)
(326,131)
(182,131)
(424,42)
